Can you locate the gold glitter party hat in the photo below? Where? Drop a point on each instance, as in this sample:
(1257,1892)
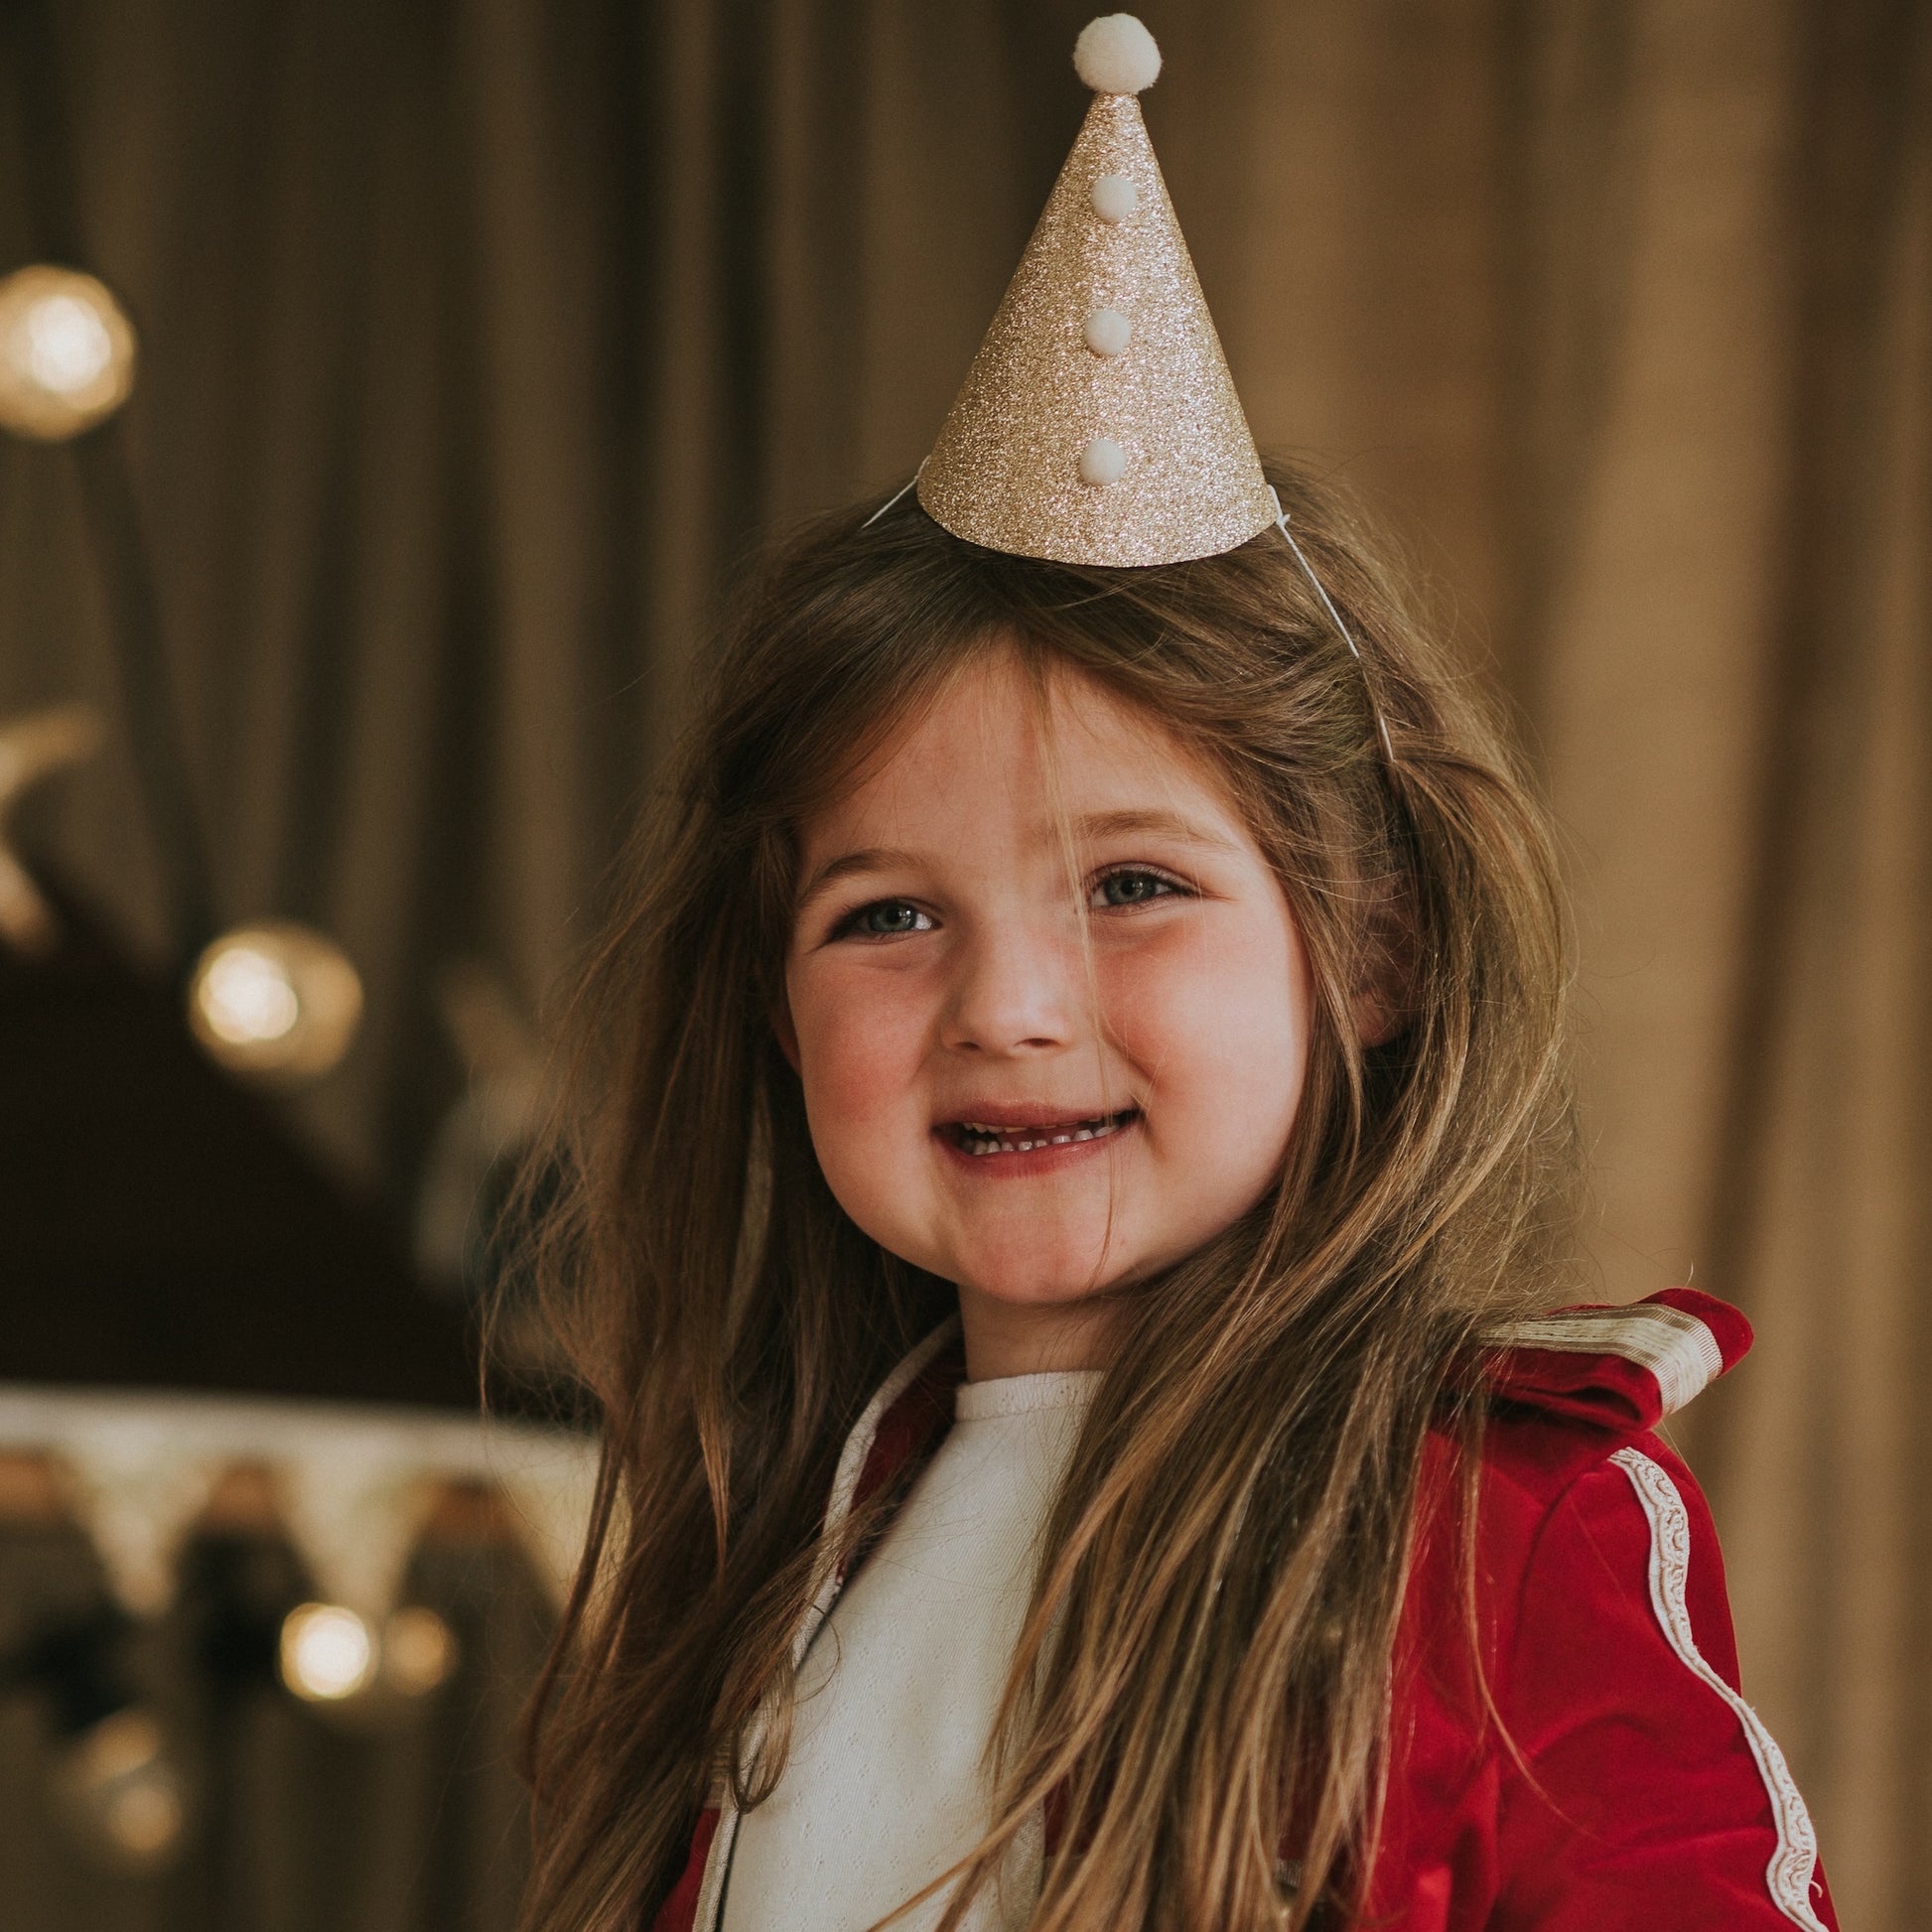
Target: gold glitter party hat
(1098,423)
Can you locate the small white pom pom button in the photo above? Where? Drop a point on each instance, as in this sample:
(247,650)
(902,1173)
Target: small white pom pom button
(1102,461)
(1108,332)
(1115,198)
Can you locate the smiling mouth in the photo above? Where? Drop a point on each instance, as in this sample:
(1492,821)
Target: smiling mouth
(978,1138)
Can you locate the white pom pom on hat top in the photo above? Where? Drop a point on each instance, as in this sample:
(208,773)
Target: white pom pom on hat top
(1116,55)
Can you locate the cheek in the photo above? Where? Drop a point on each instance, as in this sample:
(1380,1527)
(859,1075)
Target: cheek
(860,1044)
(1219,1025)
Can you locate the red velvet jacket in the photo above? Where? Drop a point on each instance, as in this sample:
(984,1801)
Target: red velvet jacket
(1634,1788)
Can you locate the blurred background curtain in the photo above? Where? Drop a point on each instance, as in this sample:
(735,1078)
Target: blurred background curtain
(480,338)
(300,1824)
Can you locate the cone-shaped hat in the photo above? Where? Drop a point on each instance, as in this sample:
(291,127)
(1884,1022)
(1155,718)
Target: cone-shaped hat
(1098,423)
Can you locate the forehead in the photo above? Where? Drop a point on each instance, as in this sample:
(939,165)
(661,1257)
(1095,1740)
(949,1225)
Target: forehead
(994,735)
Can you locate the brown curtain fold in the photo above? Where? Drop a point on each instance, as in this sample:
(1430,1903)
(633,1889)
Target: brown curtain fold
(483,337)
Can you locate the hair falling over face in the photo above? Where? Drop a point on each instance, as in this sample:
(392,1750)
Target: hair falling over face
(1201,1684)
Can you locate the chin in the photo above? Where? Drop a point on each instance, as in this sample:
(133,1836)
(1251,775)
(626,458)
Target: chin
(1032,1278)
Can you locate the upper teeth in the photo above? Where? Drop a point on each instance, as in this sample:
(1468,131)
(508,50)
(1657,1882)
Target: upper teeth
(985,1139)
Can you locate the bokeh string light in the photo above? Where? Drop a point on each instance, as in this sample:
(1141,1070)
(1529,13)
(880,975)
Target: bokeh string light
(116,1784)
(120,1791)
(275,1000)
(327,1652)
(67,352)
(338,1660)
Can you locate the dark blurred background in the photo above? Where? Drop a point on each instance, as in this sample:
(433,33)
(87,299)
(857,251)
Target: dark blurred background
(480,339)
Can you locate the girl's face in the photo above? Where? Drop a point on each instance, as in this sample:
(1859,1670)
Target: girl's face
(1032,1118)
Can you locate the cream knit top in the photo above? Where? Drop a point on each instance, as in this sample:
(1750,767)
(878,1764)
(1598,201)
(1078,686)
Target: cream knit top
(883,1787)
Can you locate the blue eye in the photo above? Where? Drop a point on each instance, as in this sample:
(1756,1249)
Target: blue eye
(1133,885)
(886,919)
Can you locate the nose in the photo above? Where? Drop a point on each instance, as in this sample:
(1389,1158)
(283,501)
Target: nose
(1015,991)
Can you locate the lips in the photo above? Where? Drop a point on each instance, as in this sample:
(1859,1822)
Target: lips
(987,1138)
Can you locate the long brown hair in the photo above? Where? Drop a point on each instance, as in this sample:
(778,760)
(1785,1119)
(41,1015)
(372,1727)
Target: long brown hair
(1203,1675)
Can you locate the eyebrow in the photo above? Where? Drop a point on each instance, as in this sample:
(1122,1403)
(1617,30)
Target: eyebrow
(1167,824)
(1094,825)
(871,858)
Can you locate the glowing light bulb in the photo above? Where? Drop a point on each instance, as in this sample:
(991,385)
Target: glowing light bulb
(278,1000)
(246,997)
(328,1653)
(64,345)
(67,352)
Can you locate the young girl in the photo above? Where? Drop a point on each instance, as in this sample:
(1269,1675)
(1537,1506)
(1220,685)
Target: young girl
(1067,1151)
